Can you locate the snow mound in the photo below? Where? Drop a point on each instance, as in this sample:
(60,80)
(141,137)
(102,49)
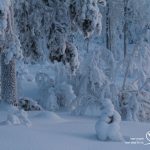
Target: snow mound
(23,117)
(108,125)
(53,117)
(17,118)
(107,131)
(12,119)
(4,107)
(10,115)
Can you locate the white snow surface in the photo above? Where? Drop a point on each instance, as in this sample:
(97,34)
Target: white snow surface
(51,131)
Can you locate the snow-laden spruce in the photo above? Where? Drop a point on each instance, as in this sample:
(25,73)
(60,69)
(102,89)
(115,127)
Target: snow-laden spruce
(43,32)
(86,16)
(108,125)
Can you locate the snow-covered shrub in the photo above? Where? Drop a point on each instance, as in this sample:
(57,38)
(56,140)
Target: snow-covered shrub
(88,89)
(136,75)
(19,117)
(13,119)
(65,95)
(135,103)
(46,86)
(28,104)
(144,106)
(135,67)
(92,82)
(22,74)
(13,115)
(56,93)
(23,117)
(108,126)
(129,105)
(105,59)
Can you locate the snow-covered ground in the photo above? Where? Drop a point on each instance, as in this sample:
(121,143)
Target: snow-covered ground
(50,131)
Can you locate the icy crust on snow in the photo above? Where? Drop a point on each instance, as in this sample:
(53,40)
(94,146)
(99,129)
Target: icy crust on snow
(108,126)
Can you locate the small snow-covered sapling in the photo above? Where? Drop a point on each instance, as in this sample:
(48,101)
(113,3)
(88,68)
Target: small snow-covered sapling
(108,125)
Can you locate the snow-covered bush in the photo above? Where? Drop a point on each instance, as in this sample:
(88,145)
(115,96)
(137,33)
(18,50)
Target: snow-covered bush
(135,103)
(135,81)
(20,117)
(17,118)
(13,119)
(28,104)
(13,115)
(46,86)
(94,81)
(144,106)
(65,95)
(129,106)
(108,126)
(56,92)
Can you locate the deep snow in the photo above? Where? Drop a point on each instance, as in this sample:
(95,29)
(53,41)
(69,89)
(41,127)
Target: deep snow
(50,131)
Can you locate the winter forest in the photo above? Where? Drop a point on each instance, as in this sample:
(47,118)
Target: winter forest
(74,74)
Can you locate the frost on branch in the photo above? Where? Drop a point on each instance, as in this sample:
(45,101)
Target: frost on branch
(8,39)
(102,2)
(85,15)
(43,31)
(68,57)
(4,9)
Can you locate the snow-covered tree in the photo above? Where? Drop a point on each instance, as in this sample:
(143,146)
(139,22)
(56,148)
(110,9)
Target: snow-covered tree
(108,126)
(86,16)
(44,28)
(10,50)
(43,31)
(94,80)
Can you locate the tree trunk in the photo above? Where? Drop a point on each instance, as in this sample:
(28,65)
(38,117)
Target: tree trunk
(8,81)
(108,27)
(125,27)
